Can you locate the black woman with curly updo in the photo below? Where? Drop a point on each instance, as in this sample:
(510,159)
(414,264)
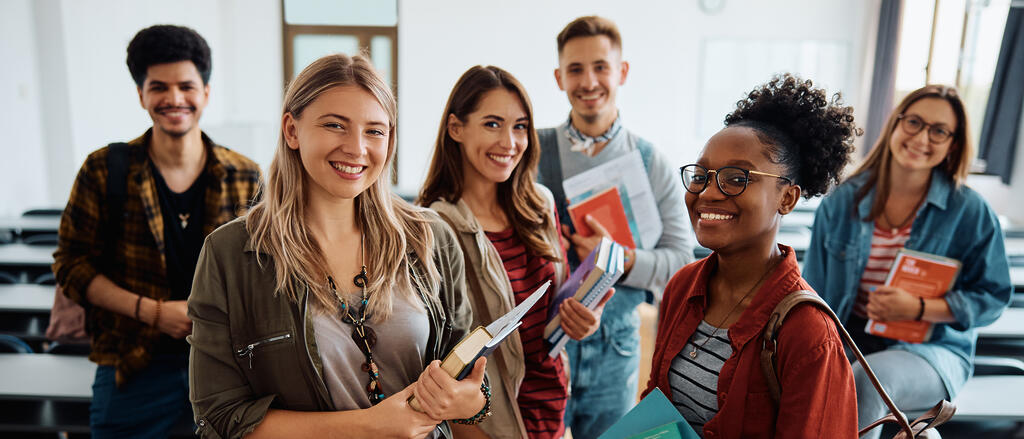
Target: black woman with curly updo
(787,139)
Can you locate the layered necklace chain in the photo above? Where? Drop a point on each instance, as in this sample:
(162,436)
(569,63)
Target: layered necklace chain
(693,353)
(364,336)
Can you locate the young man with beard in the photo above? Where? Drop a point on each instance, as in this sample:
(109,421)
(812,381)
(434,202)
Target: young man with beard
(604,366)
(131,234)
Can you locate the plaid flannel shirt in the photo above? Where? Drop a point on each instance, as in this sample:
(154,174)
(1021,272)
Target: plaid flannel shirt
(138,260)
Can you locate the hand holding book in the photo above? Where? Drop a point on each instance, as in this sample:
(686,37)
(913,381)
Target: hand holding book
(892,304)
(580,322)
(441,396)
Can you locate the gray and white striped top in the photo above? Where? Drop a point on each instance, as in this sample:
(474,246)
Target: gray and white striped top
(694,381)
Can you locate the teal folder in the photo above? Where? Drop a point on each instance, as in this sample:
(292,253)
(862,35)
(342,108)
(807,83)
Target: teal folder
(652,412)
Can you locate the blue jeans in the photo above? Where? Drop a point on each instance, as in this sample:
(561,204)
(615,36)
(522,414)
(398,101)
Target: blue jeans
(909,379)
(604,377)
(150,404)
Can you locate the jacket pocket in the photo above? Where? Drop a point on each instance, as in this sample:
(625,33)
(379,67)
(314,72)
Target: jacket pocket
(840,250)
(247,353)
(759,413)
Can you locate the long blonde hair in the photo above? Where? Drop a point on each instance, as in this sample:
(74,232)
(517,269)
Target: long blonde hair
(391,227)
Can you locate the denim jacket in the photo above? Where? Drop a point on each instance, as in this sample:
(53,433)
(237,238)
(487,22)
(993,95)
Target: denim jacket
(954,222)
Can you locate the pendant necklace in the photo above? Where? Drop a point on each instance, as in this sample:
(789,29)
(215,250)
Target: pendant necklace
(913,212)
(183,218)
(693,353)
(364,336)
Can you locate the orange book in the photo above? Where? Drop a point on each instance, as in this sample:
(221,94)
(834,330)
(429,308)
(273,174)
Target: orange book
(923,275)
(606,208)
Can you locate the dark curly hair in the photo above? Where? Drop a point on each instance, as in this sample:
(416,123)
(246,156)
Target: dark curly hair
(806,132)
(166,43)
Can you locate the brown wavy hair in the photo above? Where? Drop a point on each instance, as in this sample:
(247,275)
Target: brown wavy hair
(518,197)
(393,227)
(956,166)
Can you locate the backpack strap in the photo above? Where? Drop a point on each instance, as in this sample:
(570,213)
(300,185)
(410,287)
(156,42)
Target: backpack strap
(118,155)
(549,172)
(770,340)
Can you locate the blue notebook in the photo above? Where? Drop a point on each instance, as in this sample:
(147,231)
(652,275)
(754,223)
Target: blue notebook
(653,411)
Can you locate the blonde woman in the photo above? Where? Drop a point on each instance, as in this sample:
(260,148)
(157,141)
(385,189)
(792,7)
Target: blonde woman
(481,181)
(325,309)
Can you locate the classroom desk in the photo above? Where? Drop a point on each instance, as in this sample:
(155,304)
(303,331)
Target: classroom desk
(1014,247)
(45,376)
(26,298)
(45,393)
(990,398)
(34,224)
(1009,326)
(21,255)
(802,218)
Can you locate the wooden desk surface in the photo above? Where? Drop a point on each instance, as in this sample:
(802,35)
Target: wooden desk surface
(46,377)
(26,255)
(26,298)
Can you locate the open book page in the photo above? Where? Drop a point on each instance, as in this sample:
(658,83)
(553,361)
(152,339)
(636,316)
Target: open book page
(628,174)
(513,317)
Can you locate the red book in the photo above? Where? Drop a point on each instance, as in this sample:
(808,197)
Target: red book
(606,208)
(923,275)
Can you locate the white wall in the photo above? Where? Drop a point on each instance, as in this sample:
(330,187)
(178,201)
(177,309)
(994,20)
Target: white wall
(66,72)
(662,41)
(67,90)
(20,121)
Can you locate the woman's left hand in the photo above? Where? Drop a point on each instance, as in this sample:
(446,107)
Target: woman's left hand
(578,321)
(892,304)
(443,397)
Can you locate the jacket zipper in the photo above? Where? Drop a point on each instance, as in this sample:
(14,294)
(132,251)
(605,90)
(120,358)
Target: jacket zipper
(250,349)
(305,346)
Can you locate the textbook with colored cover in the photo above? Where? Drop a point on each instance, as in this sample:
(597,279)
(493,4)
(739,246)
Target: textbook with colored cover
(654,417)
(921,274)
(606,207)
(588,284)
(483,340)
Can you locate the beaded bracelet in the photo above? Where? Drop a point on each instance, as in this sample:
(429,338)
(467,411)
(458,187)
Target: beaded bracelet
(138,302)
(483,413)
(156,319)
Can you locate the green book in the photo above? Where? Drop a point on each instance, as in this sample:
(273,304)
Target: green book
(651,417)
(667,431)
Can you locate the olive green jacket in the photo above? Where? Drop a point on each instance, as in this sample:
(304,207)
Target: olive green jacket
(253,349)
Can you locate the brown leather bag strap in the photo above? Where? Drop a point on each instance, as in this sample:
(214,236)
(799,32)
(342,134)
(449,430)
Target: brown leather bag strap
(769,345)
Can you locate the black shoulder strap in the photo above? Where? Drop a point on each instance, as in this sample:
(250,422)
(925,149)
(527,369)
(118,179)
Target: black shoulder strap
(550,172)
(118,157)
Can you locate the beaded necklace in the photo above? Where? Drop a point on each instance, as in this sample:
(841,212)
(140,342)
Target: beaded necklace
(363,335)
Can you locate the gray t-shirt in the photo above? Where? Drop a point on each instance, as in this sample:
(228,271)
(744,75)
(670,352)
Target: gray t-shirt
(694,378)
(399,353)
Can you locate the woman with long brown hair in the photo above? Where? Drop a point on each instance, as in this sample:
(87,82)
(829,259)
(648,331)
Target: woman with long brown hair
(481,181)
(316,315)
(910,193)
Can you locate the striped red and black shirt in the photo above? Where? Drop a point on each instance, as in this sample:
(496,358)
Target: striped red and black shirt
(543,393)
(885,243)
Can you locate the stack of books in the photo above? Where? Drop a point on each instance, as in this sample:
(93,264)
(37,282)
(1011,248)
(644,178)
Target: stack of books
(588,284)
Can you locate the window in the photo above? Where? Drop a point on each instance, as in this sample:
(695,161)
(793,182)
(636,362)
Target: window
(314,28)
(953,42)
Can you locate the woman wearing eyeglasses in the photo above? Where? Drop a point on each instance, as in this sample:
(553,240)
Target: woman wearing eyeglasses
(784,141)
(910,193)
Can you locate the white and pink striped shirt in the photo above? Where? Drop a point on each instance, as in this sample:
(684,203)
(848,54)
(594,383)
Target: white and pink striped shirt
(885,243)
